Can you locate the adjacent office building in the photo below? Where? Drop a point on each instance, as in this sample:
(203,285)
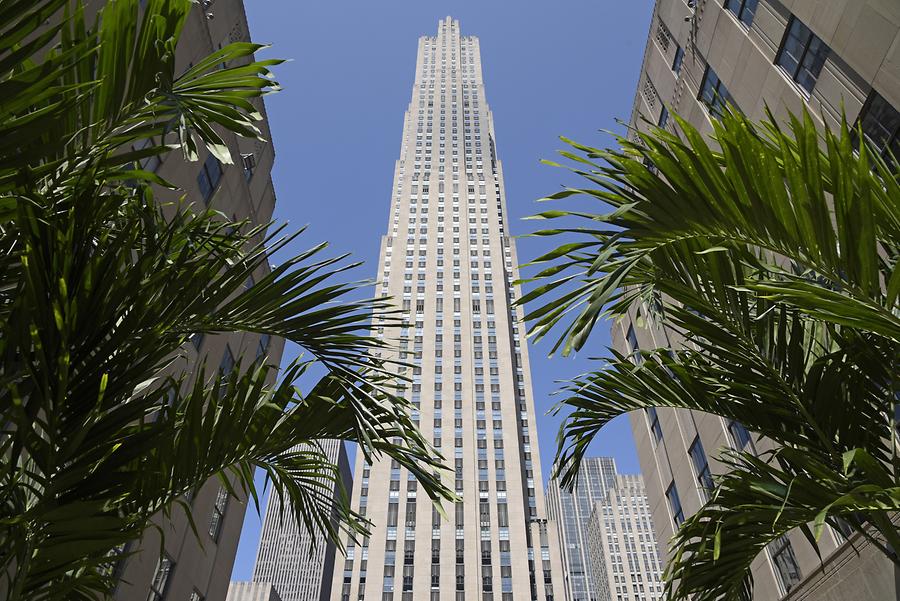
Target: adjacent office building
(297,562)
(188,571)
(622,543)
(787,54)
(448,260)
(608,545)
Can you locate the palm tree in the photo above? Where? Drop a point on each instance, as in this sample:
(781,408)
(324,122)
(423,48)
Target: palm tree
(104,426)
(772,252)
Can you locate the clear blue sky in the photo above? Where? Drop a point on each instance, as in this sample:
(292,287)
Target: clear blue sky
(567,67)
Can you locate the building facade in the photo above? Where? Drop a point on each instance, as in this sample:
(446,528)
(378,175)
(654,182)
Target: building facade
(299,564)
(252,591)
(608,544)
(449,262)
(571,512)
(621,543)
(841,55)
(189,569)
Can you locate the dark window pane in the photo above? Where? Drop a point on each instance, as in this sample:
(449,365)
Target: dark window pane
(663,117)
(880,124)
(675,504)
(739,435)
(748,11)
(679,59)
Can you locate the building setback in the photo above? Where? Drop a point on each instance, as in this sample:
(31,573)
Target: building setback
(297,562)
(608,545)
(449,262)
(192,570)
(828,57)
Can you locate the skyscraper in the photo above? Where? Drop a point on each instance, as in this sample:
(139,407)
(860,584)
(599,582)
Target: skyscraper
(606,535)
(571,512)
(297,562)
(843,55)
(448,261)
(621,543)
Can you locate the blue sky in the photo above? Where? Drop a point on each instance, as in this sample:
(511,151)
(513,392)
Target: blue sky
(569,67)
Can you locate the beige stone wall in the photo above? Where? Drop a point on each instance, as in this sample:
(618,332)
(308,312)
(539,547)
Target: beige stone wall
(864,37)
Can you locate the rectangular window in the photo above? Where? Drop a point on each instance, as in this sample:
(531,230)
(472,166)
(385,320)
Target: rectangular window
(802,54)
(744,10)
(160,581)
(675,504)
(663,117)
(739,435)
(263,346)
(226,366)
(653,420)
(679,60)
(209,177)
(880,123)
(633,347)
(713,93)
(701,467)
(785,563)
(218,513)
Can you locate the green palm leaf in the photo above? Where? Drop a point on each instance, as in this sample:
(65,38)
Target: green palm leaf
(770,256)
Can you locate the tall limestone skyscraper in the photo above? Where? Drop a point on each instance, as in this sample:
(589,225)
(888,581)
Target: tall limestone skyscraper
(449,262)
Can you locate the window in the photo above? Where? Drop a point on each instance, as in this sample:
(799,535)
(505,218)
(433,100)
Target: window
(713,93)
(739,435)
(663,117)
(248,162)
(196,596)
(150,163)
(649,92)
(218,513)
(197,340)
(631,338)
(785,563)
(802,54)
(226,366)
(743,10)
(880,123)
(263,346)
(209,177)
(675,504)
(701,467)
(653,420)
(161,579)
(663,37)
(679,60)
